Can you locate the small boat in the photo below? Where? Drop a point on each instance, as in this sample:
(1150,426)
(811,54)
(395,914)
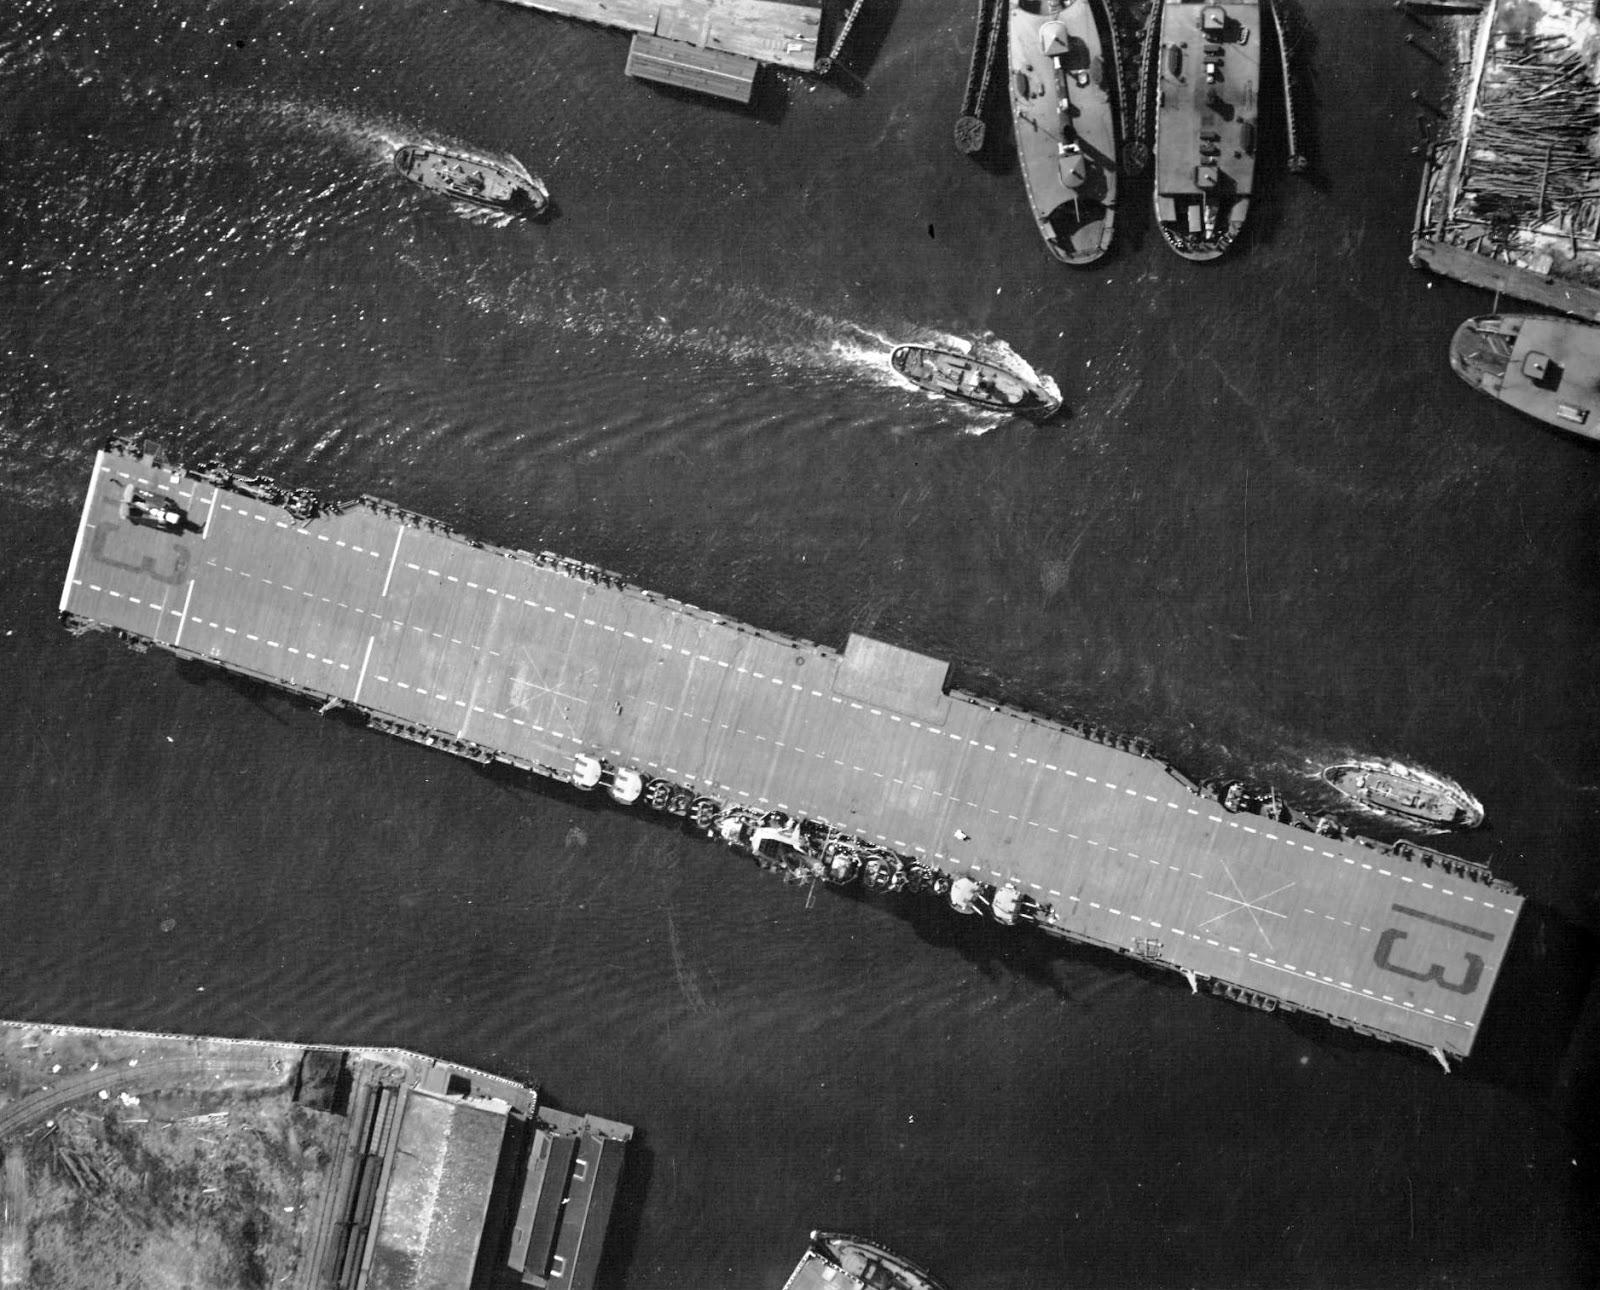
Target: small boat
(1407,795)
(1208,75)
(492,185)
(1547,367)
(973,380)
(834,1261)
(1064,103)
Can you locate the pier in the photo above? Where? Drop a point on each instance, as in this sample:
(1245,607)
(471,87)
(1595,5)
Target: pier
(986,40)
(1510,197)
(540,662)
(713,46)
(417,1172)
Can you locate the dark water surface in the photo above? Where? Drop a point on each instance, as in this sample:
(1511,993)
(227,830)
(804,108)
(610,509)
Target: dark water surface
(1274,531)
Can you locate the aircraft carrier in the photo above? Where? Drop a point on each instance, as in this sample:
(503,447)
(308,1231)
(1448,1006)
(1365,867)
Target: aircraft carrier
(563,669)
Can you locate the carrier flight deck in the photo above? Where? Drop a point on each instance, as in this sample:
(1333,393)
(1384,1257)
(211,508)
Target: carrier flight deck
(542,662)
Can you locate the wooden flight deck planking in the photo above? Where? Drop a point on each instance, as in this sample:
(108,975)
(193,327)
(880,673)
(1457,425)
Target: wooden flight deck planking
(537,660)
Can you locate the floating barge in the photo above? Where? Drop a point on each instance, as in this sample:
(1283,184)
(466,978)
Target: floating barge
(1510,197)
(552,665)
(427,1173)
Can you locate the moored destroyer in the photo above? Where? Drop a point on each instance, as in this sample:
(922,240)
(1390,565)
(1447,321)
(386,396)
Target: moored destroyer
(975,380)
(1545,366)
(1064,103)
(835,1261)
(1208,74)
(502,186)
(1406,794)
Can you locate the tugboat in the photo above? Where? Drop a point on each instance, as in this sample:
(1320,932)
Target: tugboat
(1208,75)
(1063,99)
(1546,367)
(1407,794)
(973,380)
(834,1261)
(492,185)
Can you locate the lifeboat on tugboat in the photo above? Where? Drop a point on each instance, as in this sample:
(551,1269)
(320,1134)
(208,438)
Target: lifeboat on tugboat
(973,380)
(1407,795)
(492,185)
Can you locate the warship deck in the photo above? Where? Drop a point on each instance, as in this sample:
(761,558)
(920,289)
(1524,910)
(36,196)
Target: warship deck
(1060,94)
(532,659)
(1207,94)
(1192,100)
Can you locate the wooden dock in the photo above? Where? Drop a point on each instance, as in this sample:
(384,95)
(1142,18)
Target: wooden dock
(1510,199)
(713,46)
(531,659)
(709,71)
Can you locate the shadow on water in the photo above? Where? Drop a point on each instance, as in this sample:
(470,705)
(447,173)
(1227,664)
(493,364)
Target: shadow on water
(1134,199)
(998,951)
(998,155)
(864,45)
(514,780)
(261,695)
(1273,173)
(1299,51)
(627,1213)
(769,97)
(1532,1032)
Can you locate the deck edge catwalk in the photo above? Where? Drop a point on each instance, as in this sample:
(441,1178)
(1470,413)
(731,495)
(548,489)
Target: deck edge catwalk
(842,766)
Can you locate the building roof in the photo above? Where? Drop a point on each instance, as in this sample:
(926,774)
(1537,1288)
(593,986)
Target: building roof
(427,1234)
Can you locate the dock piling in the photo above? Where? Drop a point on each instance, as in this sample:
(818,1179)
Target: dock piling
(970,130)
(1299,163)
(1138,151)
(1423,49)
(826,63)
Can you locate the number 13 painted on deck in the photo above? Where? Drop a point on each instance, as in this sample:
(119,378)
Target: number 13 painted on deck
(1435,972)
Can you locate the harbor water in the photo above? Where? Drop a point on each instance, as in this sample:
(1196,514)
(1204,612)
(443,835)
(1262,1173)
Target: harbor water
(1272,532)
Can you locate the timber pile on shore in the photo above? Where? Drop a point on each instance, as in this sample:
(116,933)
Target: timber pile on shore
(1531,166)
(1517,180)
(146,1160)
